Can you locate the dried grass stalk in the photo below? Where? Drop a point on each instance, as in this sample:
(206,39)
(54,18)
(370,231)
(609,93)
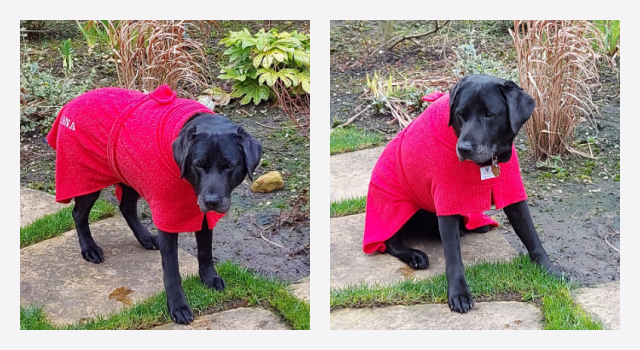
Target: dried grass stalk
(557,65)
(401,98)
(151,53)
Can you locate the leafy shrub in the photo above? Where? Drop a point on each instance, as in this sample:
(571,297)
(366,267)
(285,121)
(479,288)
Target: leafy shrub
(281,60)
(42,95)
(470,62)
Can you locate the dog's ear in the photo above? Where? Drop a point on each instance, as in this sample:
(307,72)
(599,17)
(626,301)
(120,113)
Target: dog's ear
(453,94)
(181,147)
(520,104)
(251,149)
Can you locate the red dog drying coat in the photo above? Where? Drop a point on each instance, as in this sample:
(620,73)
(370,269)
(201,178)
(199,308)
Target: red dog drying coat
(419,169)
(110,135)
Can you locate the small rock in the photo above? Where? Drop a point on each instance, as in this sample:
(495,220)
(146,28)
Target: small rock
(269,182)
(207,101)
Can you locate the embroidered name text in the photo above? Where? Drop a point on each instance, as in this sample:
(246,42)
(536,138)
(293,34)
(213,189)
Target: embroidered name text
(68,123)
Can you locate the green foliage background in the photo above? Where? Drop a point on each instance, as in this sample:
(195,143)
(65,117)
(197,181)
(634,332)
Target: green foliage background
(267,57)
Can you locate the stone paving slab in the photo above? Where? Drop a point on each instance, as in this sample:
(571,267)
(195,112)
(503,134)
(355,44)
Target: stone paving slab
(351,172)
(54,275)
(350,265)
(602,302)
(302,289)
(503,315)
(241,318)
(35,204)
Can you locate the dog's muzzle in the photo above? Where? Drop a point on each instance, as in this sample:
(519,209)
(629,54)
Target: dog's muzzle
(212,202)
(479,154)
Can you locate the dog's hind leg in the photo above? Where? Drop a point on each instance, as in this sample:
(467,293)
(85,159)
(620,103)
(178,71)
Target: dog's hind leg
(395,245)
(208,274)
(90,250)
(129,210)
(176,300)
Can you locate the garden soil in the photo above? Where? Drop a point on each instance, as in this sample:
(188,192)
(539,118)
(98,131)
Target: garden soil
(574,200)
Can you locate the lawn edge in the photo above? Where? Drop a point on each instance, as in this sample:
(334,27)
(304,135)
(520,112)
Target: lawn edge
(571,315)
(152,311)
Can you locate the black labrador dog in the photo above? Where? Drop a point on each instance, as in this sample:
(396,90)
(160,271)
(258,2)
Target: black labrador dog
(214,155)
(486,113)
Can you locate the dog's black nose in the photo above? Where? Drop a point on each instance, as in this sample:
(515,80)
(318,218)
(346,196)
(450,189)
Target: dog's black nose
(465,148)
(212,201)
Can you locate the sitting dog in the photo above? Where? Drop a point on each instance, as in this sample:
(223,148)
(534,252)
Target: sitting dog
(175,153)
(450,165)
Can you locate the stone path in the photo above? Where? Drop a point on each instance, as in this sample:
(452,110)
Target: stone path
(54,275)
(505,315)
(241,318)
(350,266)
(602,302)
(350,174)
(35,204)
(302,289)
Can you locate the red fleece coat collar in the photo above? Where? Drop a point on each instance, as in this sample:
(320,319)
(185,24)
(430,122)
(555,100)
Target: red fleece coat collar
(110,135)
(419,169)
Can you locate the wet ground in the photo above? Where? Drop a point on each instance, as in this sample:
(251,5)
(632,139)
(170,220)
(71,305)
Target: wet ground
(268,233)
(574,201)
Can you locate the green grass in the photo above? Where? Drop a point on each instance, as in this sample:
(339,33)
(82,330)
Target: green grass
(32,317)
(487,282)
(352,139)
(243,288)
(348,206)
(55,224)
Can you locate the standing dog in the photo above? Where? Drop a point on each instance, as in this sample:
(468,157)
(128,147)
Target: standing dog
(175,153)
(450,165)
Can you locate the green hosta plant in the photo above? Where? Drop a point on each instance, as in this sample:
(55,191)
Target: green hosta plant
(267,64)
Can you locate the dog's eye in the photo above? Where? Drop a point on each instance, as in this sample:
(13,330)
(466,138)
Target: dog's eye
(490,115)
(229,166)
(203,163)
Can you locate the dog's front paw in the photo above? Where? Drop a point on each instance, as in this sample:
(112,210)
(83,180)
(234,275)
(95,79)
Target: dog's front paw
(93,254)
(552,270)
(215,282)
(460,301)
(181,314)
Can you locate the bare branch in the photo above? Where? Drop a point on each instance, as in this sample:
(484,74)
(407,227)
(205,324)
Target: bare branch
(393,42)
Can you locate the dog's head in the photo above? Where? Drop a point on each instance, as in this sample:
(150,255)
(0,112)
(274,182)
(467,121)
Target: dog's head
(486,113)
(214,155)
